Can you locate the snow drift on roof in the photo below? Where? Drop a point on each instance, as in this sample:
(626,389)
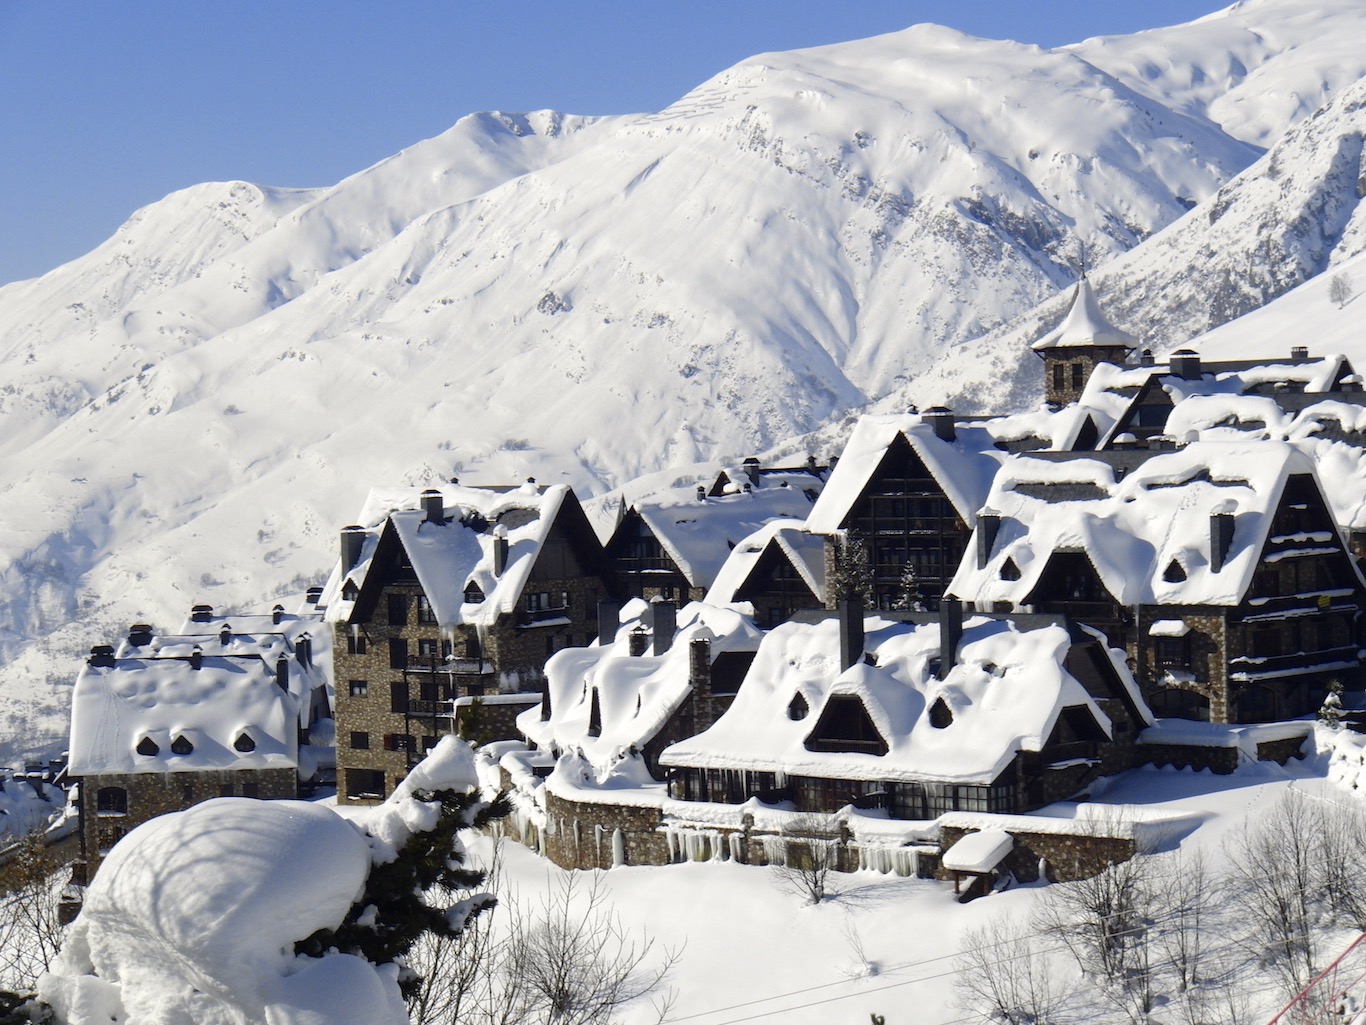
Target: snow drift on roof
(1085,324)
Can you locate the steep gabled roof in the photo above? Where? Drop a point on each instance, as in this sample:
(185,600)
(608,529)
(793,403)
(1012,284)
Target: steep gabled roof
(1005,693)
(1131,529)
(447,556)
(787,539)
(636,695)
(963,468)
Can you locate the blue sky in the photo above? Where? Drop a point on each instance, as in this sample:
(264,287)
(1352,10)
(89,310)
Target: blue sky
(109,106)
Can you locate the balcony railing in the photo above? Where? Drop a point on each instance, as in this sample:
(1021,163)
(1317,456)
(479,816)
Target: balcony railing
(449,666)
(530,617)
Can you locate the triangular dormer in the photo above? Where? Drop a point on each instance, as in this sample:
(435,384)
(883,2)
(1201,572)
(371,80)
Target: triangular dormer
(845,725)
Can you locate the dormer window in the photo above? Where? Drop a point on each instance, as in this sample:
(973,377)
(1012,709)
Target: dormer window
(474,594)
(797,708)
(181,745)
(1174,573)
(1009,570)
(244,743)
(941,716)
(350,592)
(147,747)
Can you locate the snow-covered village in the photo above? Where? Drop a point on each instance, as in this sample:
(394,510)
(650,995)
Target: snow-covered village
(879,538)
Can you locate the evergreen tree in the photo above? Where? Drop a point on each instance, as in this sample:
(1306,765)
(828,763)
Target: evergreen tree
(1330,714)
(853,568)
(909,597)
(395,909)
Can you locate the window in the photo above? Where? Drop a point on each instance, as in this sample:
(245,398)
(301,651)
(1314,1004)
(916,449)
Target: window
(252,790)
(425,613)
(1078,375)
(355,644)
(398,610)
(429,650)
(474,594)
(111,801)
(181,745)
(148,747)
(398,698)
(1059,377)
(364,784)
(398,653)
(1171,653)
(940,715)
(244,743)
(187,793)
(360,740)
(400,742)
(227,790)
(359,688)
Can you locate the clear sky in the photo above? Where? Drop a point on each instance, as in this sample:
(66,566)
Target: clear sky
(108,105)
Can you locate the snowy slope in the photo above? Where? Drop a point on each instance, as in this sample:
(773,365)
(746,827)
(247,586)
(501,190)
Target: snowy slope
(192,410)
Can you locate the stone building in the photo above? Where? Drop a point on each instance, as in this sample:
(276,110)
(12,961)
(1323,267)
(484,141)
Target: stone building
(1071,351)
(455,593)
(169,720)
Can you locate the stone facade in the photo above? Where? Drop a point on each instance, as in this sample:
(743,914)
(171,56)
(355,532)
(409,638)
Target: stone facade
(1067,369)
(149,794)
(1064,857)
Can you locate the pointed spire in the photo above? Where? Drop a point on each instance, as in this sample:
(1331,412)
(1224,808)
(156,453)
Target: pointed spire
(1085,325)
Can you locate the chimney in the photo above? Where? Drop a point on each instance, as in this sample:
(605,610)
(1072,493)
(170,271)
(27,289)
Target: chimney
(102,656)
(196,657)
(545,699)
(595,715)
(277,614)
(851,630)
(665,621)
(352,538)
(1220,538)
(282,672)
(225,635)
(303,650)
(988,526)
(941,419)
(701,493)
(313,595)
(699,664)
(751,468)
(433,508)
(1145,358)
(1299,352)
(500,549)
(609,619)
(950,633)
(1185,364)
(139,635)
(637,642)
(201,613)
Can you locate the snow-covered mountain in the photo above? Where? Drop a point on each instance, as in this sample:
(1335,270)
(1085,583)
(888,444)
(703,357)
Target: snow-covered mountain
(190,411)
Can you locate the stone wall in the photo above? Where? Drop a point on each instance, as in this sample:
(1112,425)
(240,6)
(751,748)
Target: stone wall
(1219,760)
(584,835)
(155,793)
(1064,857)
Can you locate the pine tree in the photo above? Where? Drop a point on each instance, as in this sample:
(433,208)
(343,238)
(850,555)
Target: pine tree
(394,910)
(1330,713)
(853,568)
(909,597)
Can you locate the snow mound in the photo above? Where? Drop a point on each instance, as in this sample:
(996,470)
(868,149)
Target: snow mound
(194,917)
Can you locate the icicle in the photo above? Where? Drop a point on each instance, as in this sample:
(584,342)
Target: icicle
(597,844)
(618,848)
(737,847)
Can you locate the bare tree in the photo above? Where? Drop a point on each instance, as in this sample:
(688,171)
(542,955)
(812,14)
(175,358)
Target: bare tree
(30,932)
(1273,884)
(1001,972)
(1340,289)
(1340,834)
(1183,896)
(804,855)
(1103,920)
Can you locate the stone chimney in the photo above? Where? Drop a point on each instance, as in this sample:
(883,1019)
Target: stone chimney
(433,507)
(1299,352)
(665,622)
(851,630)
(1220,538)
(940,418)
(1185,364)
(751,468)
(701,493)
(638,642)
(609,620)
(101,656)
(1145,358)
(303,650)
(500,550)
(988,526)
(277,614)
(196,657)
(282,672)
(201,613)
(545,699)
(950,633)
(139,635)
(313,595)
(225,635)
(595,714)
(352,538)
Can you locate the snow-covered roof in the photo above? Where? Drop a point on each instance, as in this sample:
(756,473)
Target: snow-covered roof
(158,701)
(963,467)
(698,534)
(1134,528)
(731,479)
(981,851)
(805,551)
(636,694)
(449,555)
(1004,694)
(1085,324)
